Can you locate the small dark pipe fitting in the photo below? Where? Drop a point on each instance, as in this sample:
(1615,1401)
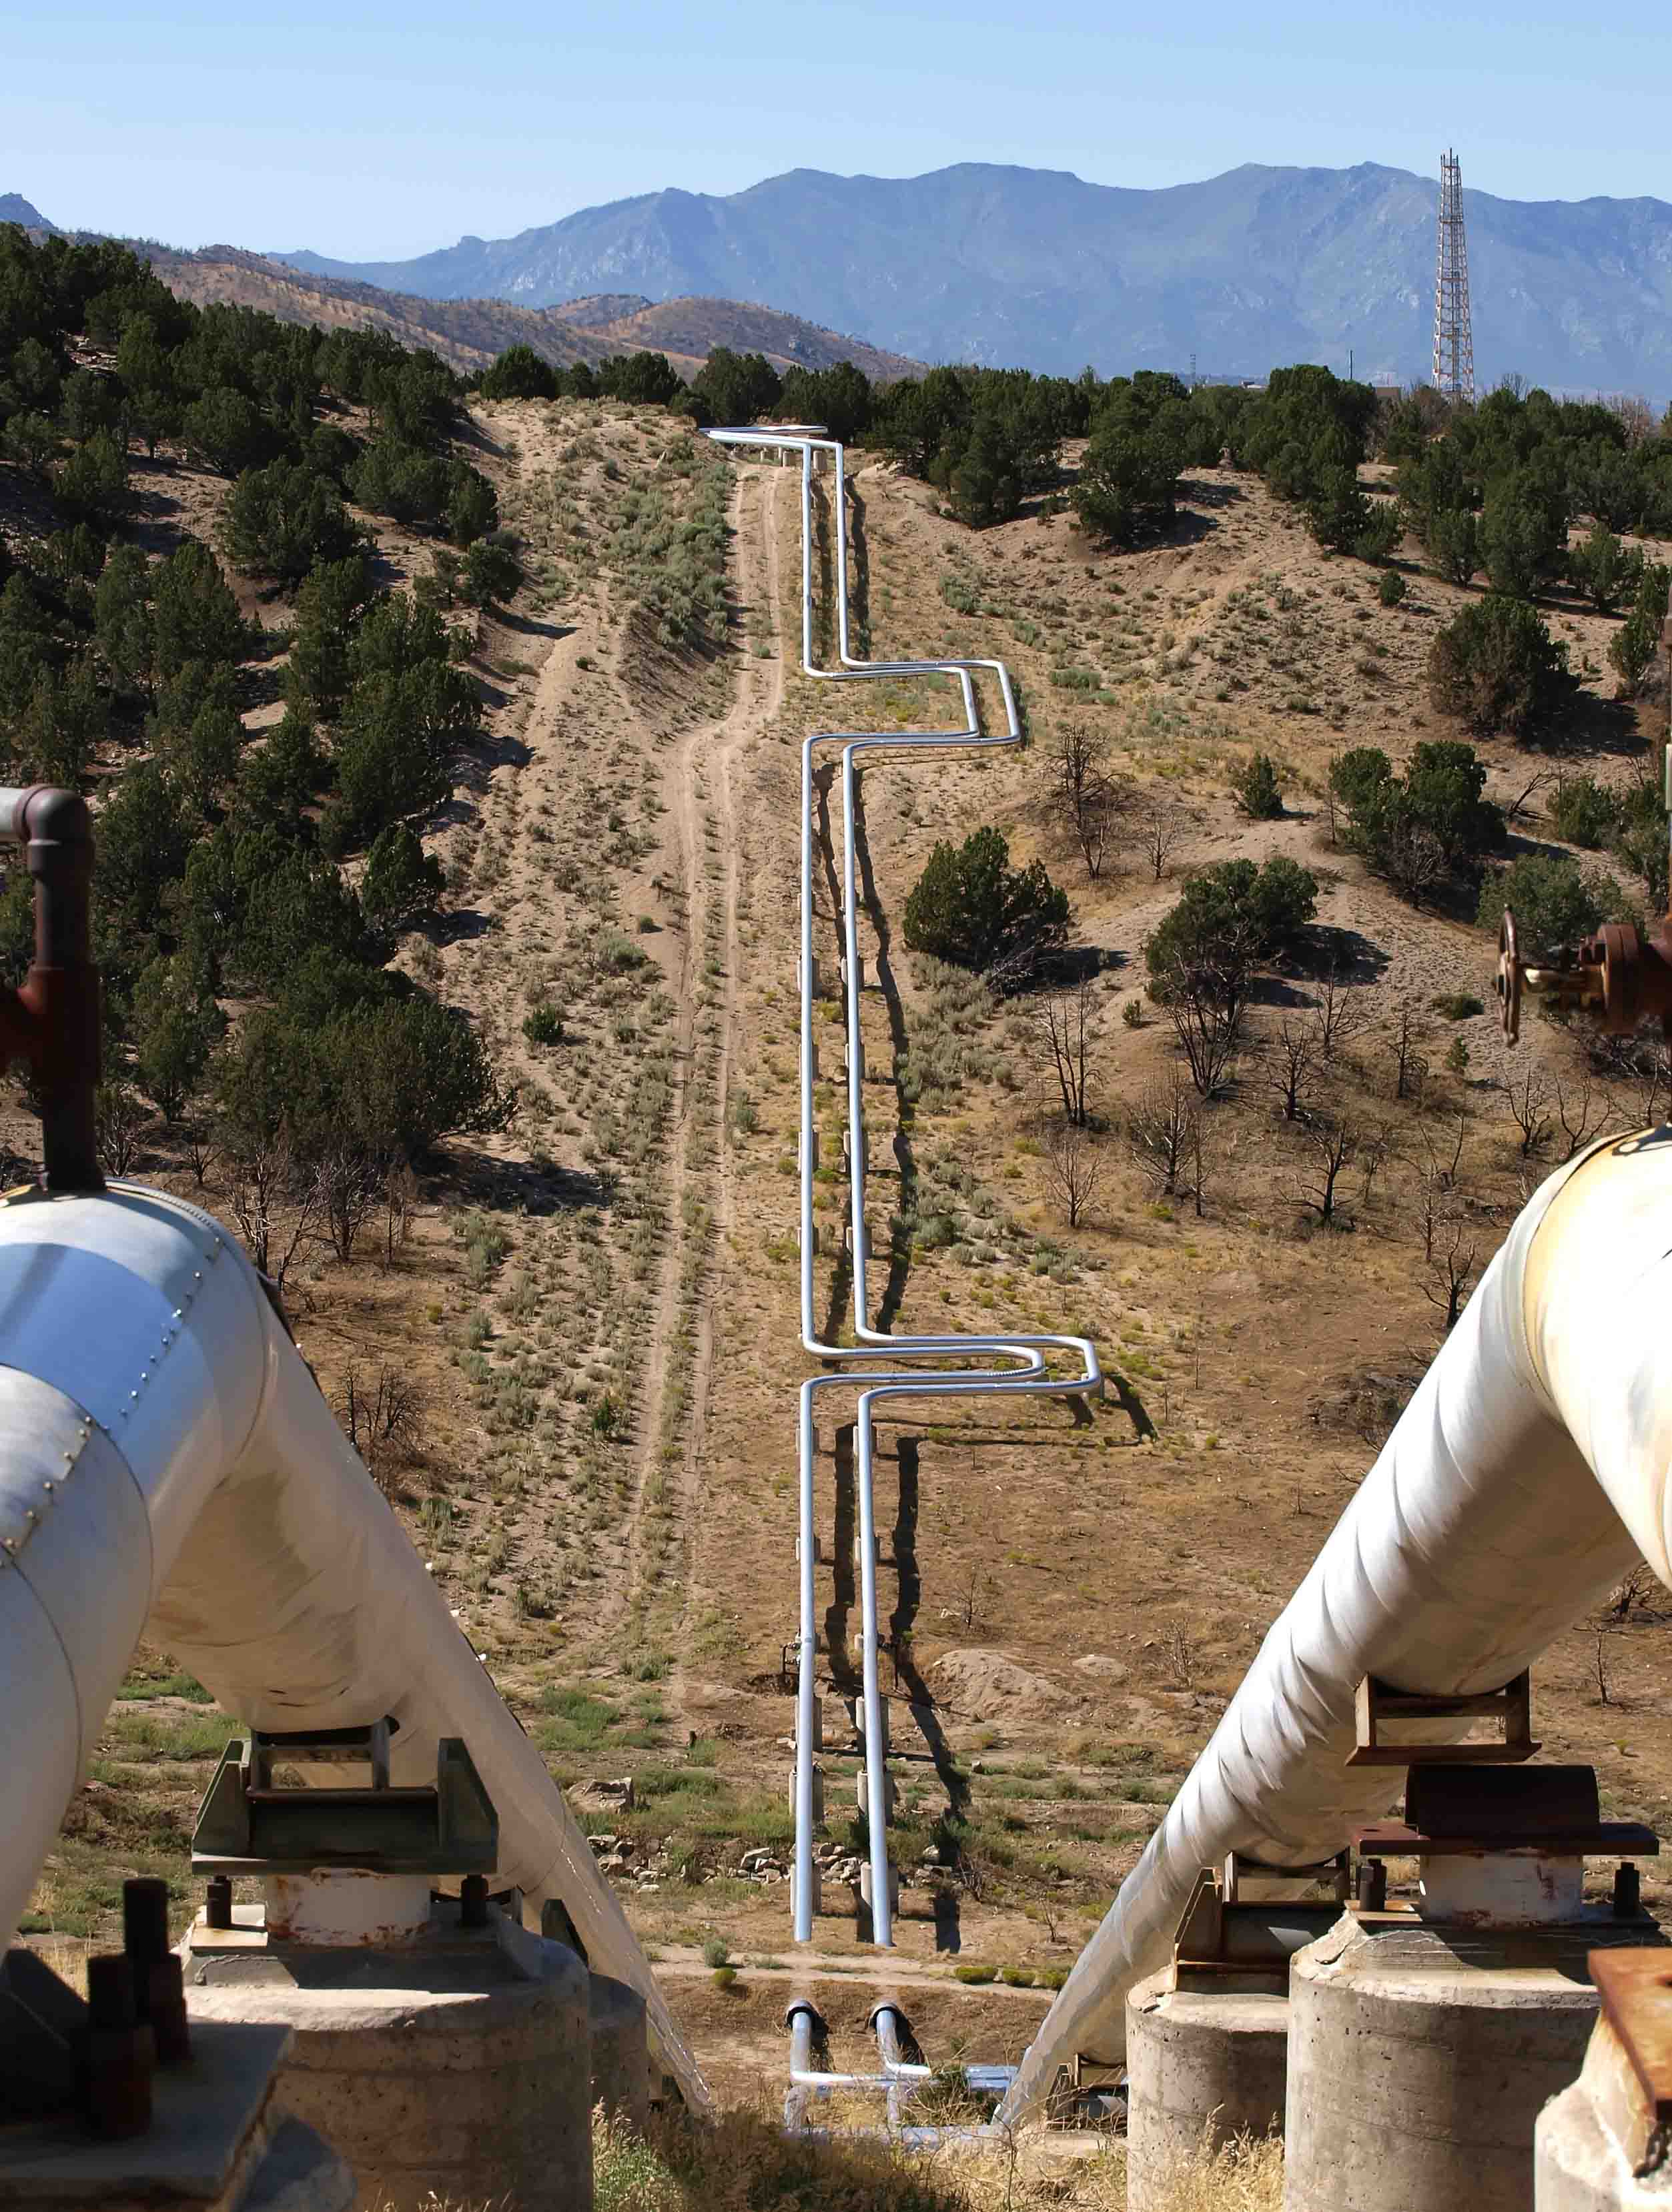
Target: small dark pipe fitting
(164,2001)
(1372,1892)
(53,1022)
(217,1902)
(473,1901)
(1627,1892)
(120,2052)
(144,1926)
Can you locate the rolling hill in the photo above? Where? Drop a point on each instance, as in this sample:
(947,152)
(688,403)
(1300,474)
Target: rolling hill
(468,333)
(981,262)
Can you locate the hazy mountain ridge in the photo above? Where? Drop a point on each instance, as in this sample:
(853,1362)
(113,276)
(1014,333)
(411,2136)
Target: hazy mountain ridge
(14,208)
(468,333)
(1257,266)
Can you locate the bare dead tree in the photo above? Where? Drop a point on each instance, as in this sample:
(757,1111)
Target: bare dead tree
(1643,1064)
(1203,1160)
(1159,830)
(1528,1097)
(119,1122)
(1206,1001)
(1338,1016)
(1374,1149)
(400,1199)
(1410,1066)
(1074,1163)
(1331,1148)
(1513,811)
(1086,792)
(275,1208)
(1437,1184)
(1291,1055)
(201,1149)
(1441,1160)
(380,1413)
(346,1191)
(1584,1111)
(1060,1044)
(1450,1276)
(1161,1131)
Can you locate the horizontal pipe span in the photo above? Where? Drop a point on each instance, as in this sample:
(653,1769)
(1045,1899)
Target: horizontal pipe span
(165,1450)
(1525,1476)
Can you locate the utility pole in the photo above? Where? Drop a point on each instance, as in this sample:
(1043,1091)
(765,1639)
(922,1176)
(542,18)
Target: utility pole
(1454,340)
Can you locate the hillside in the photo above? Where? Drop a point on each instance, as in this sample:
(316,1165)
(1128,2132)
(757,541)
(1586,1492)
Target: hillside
(468,333)
(575,1323)
(1038,268)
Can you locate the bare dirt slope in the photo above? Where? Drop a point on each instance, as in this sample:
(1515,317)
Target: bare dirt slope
(599,1309)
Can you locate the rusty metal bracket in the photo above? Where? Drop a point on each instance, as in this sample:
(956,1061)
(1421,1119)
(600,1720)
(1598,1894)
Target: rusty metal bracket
(1451,1811)
(1635,1988)
(250,1824)
(1378,1703)
(1221,1942)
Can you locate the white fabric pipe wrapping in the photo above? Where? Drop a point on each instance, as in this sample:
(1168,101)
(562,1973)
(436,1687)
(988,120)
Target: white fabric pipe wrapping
(199,1476)
(1519,1484)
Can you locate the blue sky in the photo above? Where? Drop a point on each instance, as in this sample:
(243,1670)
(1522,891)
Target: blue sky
(379,132)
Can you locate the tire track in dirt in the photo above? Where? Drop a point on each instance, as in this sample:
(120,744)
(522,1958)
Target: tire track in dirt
(704,852)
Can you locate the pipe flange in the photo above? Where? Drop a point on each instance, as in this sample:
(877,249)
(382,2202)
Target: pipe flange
(1509,978)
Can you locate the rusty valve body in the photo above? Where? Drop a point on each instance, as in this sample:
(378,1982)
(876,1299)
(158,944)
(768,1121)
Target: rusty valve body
(1617,977)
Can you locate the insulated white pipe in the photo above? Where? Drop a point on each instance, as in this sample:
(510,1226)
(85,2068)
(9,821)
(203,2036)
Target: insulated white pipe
(165,1451)
(1523,1479)
(1029,1373)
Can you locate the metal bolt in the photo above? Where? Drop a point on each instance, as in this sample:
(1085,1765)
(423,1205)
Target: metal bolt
(218,1904)
(473,1901)
(1373,1884)
(1628,1892)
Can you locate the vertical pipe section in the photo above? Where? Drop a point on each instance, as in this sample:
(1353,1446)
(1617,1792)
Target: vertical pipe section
(1028,1354)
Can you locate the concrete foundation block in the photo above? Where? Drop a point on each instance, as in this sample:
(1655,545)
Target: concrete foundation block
(862,1795)
(816,1889)
(856,1714)
(621,2051)
(817,1795)
(219,2140)
(1420,2056)
(459,2069)
(1202,2067)
(865,1891)
(1599,2146)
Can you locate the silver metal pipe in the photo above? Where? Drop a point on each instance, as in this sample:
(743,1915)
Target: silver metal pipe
(1532,1467)
(1025,1358)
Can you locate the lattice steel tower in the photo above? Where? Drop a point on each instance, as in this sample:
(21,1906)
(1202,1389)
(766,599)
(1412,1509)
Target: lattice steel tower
(1454,342)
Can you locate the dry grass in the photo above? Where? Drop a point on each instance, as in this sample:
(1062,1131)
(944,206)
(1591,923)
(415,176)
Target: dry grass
(746,2163)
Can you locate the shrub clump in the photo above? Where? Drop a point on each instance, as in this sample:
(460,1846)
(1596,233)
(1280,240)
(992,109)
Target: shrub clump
(1496,666)
(972,907)
(1256,790)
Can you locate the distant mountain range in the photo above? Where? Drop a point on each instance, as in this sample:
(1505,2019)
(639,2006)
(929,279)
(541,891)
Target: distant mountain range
(1255,268)
(468,333)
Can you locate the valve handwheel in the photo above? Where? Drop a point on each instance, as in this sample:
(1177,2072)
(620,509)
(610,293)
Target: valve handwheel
(1509,978)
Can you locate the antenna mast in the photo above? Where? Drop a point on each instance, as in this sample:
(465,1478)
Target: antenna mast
(1454,341)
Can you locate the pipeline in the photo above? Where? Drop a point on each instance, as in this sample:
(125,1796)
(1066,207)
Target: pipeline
(165,1454)
(1527,1474)
(1026,1372)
